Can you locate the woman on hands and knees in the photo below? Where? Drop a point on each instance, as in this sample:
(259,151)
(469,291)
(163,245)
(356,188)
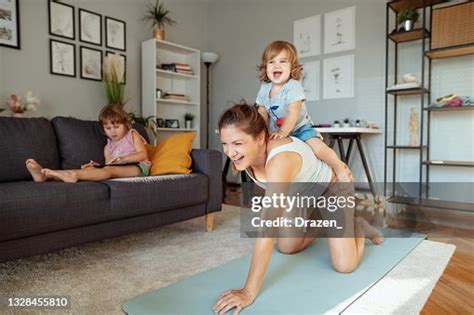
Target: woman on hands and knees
(285,161)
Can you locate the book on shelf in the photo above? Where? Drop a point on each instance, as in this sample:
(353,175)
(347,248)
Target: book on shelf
(182,67)
(185,72)
(174,67)
(168,67)
(175,96)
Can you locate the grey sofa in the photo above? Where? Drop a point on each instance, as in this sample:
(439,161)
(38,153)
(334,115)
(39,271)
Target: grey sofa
(37,218)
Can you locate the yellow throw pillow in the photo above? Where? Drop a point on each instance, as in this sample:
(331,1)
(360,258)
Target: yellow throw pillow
(172,155)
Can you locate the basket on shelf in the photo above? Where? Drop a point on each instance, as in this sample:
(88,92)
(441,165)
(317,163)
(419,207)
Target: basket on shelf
(453,25)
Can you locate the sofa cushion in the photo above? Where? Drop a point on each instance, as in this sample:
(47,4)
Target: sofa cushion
(172,155)
(80,141)
(29,208)
(23,138)
(141,195)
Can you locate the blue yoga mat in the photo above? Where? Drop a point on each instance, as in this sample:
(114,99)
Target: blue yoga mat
(294,284)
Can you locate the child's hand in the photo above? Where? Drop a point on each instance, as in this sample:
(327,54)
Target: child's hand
(343,173)
(280,134)
(90,164)
(115,160)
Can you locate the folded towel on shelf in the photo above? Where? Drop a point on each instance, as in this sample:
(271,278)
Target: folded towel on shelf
(452,100)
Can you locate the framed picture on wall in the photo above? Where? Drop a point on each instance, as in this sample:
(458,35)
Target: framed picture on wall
(90,27)
(10,23)
(91,63)
(311,74)
(61,20)
(307,36)
(123,64)
(339,30)
(338,78)
(62,58)
(171,123)
(115,31)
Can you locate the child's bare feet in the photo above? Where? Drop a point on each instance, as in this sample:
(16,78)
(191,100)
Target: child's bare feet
(64,176)
(374,235)
(35,170)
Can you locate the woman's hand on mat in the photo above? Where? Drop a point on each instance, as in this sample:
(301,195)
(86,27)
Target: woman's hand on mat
(90,164)
(343,173)
(233,298)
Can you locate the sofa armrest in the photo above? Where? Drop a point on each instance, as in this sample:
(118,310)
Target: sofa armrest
(209,162)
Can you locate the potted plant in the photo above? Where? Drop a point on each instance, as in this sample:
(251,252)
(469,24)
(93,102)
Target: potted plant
(347,122)
(407,18)
(188,118)
(158,16)
(113,79)
(148,123)
(336,124)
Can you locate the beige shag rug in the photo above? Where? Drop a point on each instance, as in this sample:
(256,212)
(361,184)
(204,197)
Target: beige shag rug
(99,277)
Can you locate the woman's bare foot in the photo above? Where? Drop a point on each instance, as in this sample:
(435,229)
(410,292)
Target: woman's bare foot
(35,170)
(64,176)
(374,235)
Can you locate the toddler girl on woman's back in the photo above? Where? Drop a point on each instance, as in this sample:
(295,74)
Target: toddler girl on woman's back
(125,154)
(281,102)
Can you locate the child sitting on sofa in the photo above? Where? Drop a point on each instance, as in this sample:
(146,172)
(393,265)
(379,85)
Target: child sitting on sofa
(125,153)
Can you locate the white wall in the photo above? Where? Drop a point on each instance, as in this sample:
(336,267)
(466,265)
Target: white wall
(238,30)
(246,27)
(29,69)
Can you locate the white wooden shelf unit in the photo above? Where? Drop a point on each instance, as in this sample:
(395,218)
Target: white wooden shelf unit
(155,53)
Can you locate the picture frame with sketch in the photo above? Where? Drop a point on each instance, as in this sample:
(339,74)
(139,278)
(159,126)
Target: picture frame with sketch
(62,58)
(61,20)
(91,63)
(115,31)
(172,123)
(90,27)
(10,24)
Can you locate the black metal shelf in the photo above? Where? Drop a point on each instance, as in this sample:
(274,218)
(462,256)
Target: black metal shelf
(399,5)
(449,163)
(449,109)
(412,91)
(449,52)
(408,36)
(406,147)
(432,203)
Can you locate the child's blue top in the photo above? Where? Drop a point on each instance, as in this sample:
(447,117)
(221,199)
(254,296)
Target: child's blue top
(277,106)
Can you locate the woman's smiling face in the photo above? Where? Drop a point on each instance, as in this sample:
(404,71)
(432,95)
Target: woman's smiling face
(240,147)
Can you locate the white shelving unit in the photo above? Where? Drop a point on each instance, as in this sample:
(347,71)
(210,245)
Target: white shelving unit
(155,53)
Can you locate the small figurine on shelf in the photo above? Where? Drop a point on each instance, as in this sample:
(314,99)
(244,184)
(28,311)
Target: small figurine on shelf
(413,127)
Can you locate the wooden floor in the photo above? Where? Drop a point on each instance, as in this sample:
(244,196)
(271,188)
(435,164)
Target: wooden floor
(454,292)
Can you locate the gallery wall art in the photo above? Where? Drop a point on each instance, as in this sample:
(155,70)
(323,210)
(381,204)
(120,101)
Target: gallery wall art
(338,77)
(9,24)
(63,58)
(61,20)
(307,36)
(339,30)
